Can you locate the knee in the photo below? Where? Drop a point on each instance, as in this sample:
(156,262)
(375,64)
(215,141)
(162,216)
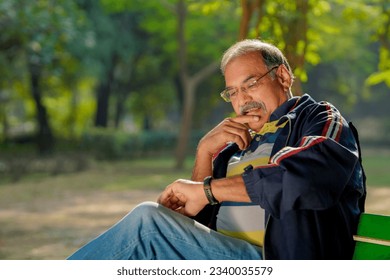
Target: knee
(144,210)
(138,217)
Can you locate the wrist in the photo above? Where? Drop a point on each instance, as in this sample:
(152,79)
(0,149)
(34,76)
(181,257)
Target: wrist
(208,192)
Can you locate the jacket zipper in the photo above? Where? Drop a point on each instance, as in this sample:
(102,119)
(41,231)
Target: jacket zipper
(269,217)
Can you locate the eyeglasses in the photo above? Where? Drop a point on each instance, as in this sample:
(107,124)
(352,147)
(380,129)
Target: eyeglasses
(248,86)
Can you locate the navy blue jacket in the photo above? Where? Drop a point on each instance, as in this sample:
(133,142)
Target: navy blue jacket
(313,190)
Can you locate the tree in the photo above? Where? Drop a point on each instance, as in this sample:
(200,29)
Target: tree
(383,37)
(189,84)
(105,53)
(186,61)
(39,32)
(287,21)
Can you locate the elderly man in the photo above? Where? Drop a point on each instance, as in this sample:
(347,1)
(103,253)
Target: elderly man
(281,180)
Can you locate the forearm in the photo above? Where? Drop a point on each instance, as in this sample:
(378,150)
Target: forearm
(230,189)
(226,189)
(202,166)
(229,130)
(188,197)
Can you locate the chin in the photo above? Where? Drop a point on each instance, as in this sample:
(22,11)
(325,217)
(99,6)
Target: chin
(257,127)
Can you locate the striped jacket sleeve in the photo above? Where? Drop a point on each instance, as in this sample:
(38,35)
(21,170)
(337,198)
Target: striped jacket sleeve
(313,170)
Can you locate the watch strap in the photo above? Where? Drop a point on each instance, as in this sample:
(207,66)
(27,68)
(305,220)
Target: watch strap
(208,192)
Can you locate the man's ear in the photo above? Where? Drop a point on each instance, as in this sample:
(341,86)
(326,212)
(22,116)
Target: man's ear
(284,77)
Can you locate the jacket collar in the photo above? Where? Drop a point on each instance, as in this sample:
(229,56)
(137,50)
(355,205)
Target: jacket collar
(283,109)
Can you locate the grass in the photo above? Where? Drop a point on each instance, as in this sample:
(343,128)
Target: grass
(377,168)
(143,174)
(47,217)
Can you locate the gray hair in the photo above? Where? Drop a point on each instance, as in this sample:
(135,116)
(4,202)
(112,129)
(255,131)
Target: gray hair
(270,54)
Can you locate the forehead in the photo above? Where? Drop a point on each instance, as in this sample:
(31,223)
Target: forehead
(241,68)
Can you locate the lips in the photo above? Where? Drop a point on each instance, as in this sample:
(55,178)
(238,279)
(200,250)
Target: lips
(252,111)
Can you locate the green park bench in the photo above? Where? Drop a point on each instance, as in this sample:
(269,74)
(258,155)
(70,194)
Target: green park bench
(372,238)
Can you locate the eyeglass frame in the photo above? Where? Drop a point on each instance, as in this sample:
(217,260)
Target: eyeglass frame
(252,86)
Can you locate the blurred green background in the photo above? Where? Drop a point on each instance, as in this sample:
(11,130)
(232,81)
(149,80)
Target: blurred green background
(102,102)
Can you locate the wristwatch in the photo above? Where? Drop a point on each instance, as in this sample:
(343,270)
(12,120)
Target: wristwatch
(208,192)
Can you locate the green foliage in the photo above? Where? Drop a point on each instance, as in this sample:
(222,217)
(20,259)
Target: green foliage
(383,75)
(40,33)
(344,44)
(114,144)
(72,111)
(76,42)
(153,102)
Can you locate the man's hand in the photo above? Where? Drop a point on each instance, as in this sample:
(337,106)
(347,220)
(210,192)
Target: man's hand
(184,196)
(229,130)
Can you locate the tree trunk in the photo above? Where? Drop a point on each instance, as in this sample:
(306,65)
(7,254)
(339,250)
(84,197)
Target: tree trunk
(45,139)
(189,85)
(103,93)
(185,125)
(184,79)
(122,92)
(295,36)
(103,96)
(294,32)
(248,8)
(3,117)
(119,108)
(179,92)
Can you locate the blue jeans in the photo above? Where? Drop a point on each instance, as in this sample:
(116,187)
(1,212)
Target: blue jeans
(151,231)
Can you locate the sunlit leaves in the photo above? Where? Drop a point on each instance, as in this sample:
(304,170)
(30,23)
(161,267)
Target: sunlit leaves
(75,40)
(382,76)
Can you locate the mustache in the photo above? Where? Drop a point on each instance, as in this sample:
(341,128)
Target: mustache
(252,105)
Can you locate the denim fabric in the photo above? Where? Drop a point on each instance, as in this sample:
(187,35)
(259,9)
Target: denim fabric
(151,231)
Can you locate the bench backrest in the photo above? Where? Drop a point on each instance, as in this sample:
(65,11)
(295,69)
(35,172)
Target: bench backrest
(372,238)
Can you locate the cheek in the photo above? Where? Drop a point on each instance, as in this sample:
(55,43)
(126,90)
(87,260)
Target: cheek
(270,105)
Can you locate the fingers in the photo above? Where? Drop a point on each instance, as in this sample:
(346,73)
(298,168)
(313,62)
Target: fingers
(244,119)
(240,137)
(171,200)
(229,130)
(236,130)
(183,197)
(175,202)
